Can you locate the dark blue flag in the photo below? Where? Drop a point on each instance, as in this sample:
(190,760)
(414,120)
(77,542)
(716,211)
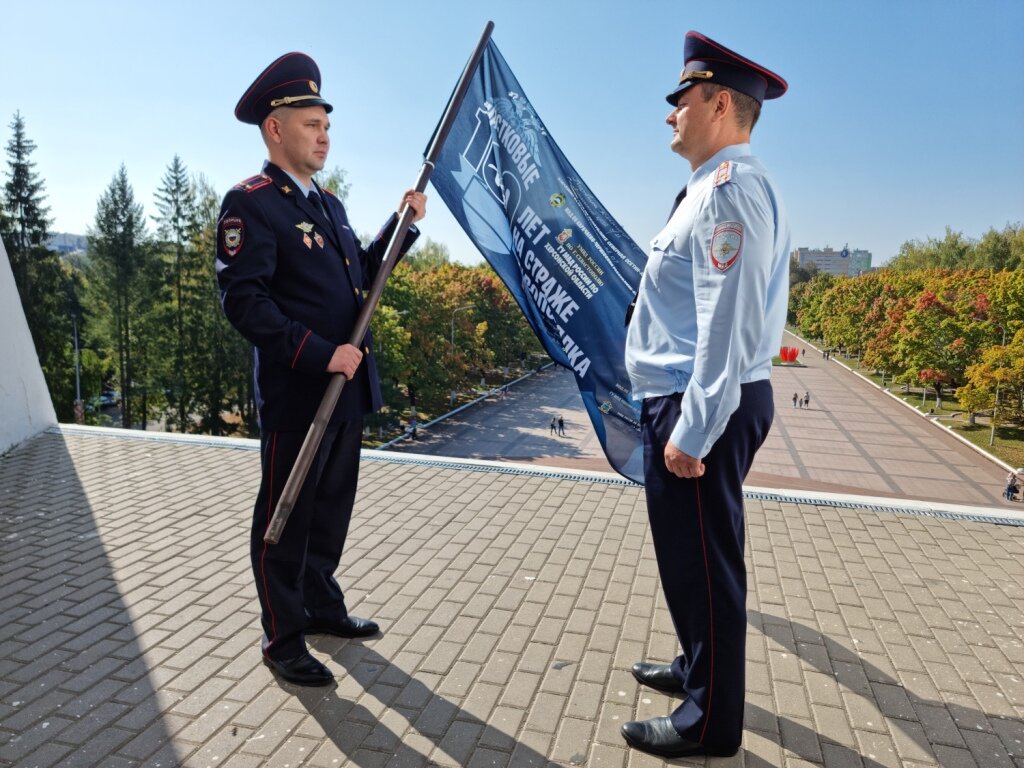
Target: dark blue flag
(568,263)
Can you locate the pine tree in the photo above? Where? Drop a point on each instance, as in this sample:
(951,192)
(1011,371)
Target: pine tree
(42,280)
(220,372)
(176,202)
(118,254)
(25,225)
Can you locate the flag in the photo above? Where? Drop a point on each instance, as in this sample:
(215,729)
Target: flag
(570,266)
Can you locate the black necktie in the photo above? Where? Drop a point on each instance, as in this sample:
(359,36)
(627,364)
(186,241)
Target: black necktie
(679,199)
(314,198)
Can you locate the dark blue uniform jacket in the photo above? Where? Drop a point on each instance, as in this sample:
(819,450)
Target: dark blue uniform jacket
(292,283)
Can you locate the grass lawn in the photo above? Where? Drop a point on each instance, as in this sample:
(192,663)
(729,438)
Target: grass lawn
(1009,444)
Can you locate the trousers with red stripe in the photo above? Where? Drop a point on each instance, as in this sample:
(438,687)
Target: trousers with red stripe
(295,577)
(698,530)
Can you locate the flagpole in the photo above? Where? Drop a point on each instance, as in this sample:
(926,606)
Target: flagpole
(323,415)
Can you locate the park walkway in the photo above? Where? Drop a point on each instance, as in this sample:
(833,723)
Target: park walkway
(852,439)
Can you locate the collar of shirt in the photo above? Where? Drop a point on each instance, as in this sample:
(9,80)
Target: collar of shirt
(731,152)
(305,189)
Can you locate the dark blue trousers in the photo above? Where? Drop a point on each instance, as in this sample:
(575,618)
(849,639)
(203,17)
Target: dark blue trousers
(698,531)
(295,577)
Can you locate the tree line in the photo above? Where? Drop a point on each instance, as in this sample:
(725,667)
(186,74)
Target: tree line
(946,314)
(136,319)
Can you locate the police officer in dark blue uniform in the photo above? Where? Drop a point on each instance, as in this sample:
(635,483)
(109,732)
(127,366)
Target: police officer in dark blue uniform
(292,276)
(707,321)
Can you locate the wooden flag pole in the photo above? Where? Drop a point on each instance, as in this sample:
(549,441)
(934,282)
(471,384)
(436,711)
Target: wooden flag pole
(315,435)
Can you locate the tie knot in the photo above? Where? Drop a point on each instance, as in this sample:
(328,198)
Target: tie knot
(314,198)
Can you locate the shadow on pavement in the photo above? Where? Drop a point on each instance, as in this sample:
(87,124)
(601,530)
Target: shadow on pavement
(76,683)
(399,701)
(853,673)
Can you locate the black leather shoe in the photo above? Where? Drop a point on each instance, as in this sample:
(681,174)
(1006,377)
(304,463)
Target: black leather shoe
(658,736)
(301,670)
(350,626)
(657,676)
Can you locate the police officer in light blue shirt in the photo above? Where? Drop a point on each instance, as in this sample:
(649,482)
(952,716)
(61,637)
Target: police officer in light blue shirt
(708,319)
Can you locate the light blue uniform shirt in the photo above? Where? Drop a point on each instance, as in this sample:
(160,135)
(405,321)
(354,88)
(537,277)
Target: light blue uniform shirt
(712,301)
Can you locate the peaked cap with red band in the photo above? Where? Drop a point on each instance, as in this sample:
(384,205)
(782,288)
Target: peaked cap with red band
(291,81)
(709,62)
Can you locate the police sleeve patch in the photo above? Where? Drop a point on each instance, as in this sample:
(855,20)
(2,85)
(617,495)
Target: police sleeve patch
(726,244)
(232,232)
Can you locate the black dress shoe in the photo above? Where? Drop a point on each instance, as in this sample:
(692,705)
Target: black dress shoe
(350,626)
(659,737)
(657,676)
(301,670)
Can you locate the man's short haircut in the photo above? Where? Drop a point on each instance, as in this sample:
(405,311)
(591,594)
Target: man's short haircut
(279,113)
(748,110)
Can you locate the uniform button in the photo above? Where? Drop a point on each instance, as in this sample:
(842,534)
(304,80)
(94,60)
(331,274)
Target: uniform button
(348,263)
(366,350)
(355,291)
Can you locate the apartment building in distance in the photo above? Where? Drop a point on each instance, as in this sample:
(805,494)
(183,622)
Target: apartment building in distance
(845,261)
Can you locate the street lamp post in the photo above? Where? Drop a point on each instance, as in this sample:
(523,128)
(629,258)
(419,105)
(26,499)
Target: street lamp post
(79,406)
(995,408)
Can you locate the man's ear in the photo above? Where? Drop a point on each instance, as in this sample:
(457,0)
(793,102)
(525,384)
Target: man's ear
(723,100)
(272,130)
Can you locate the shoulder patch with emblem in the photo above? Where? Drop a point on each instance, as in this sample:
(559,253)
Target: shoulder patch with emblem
(258,181)
(232,233)
(723,173)
(726,244)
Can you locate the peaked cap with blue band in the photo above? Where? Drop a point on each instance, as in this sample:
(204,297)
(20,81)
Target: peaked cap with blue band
(293,80)
(706,61)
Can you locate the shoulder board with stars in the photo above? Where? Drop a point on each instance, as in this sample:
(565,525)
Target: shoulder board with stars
(258,181)
(723,173)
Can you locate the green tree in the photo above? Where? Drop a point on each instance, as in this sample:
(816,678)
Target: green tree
(220,365)
(118,256)
(954,251)
(41,278)
(428,255)
(25,223)
(808,300)
(176,229)
(334,181)
(800,273)
(974,399)
(1000,250)
(1002,367)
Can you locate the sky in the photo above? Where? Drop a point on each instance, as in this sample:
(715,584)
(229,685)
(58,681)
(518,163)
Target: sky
(903,117)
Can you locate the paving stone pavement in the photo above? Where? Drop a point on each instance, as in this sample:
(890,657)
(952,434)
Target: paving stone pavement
(853,439)
(513,602)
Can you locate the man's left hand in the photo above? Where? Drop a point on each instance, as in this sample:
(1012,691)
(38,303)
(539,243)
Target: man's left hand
(682,464)
(415,200)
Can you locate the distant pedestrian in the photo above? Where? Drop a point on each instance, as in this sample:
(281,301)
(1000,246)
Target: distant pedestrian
(795,398)
(561,426)
(807,399)
(554,425)
(1012,486)
(803,352)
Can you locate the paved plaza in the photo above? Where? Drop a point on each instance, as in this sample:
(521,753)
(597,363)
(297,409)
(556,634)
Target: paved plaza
(513,598)
(852,439)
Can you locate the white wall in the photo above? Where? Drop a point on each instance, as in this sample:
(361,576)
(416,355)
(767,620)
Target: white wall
(25,405)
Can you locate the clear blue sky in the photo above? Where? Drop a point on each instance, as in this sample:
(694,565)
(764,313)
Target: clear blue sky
(903,117)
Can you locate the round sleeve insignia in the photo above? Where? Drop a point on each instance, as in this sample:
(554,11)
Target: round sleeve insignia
(232,231)
(726,243)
